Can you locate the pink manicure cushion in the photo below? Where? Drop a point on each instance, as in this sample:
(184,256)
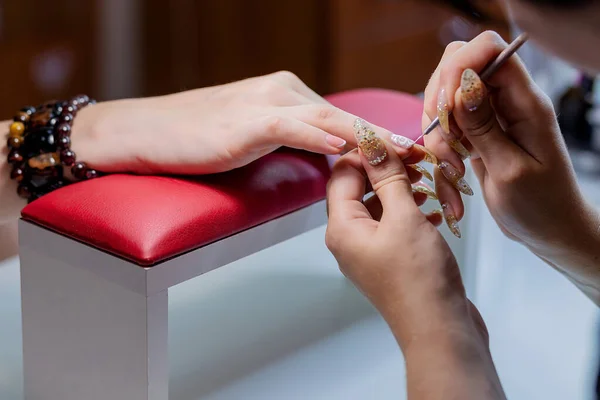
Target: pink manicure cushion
(148,219)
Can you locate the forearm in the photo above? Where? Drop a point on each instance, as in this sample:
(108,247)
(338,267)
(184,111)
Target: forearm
(578,258)
(10,203)
(446,350)
(452,366)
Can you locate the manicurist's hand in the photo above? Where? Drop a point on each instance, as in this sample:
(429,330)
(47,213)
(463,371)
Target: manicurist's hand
(520,158)
(395,256)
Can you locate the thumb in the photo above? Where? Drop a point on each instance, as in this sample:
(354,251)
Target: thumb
(386,172)
(477,120)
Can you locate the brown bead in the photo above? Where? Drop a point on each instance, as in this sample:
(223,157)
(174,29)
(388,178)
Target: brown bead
(91,174)
(67,158)
(21,117)
(44,161)
(40,118)
(14,157)
(14,142)
(79,170)
(17,174)
(64,142)
(16,129)
(24,191)
(64,129)
(67,118)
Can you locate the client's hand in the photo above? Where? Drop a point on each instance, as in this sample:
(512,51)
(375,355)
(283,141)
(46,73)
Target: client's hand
(210,130)
(395,256)
(523,166)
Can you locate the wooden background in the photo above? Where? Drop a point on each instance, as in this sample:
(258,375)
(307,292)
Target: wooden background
(126,48)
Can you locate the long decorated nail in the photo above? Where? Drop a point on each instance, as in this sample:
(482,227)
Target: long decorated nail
(472,90)
(370,144)
(455,178)
(429,156)
(421,170)
(451,220)
(421,187)
(459,148)
(402,141)
(443,110)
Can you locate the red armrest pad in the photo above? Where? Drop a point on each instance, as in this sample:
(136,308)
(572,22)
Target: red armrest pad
(148,219)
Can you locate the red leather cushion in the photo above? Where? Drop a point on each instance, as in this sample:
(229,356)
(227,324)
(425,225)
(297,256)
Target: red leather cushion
(148,219)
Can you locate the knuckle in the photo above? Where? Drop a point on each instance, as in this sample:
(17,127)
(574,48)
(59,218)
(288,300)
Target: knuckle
(453,47)
(331,239)
(514,175)
(326,112)
(268,88)
(272,124)
(391,175)
(287,76)
(493,38)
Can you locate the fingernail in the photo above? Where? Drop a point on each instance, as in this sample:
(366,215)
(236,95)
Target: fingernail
(335,141)
(443,110)
(459,148)
(421,170)
(421,187)
(429,156)
(455,178)
(437,211)
(369,143)
(451,220)
(472,90)
(402,141)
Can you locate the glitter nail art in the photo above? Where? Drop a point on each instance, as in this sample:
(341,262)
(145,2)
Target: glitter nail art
(455,178)
(370,144)
(459,148)
(443,111)
(422,170)
(451,220)
(421,187)
(402,141)
(429,156)
(472,90)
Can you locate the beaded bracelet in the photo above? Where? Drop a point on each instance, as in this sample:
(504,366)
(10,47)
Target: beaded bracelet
(39,141)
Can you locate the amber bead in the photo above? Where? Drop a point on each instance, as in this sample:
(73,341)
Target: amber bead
(44,160)
(40,118)
(91,174)
(24,191)
(16,129)
(21,117)
(67,158)
(14,157)
(79,170)
(14,142)
(17,174)
(28,110)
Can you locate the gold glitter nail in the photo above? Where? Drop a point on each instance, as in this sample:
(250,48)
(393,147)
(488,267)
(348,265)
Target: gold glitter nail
(369,143)
(472,90)
(421,170)
(455,178)
(421,187)
(443,111)
(429,156)
(459,148)
(451,220)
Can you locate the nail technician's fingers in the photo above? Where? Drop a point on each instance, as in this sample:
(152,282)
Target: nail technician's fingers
(455,178)
(451,220)
(436,217)
(421,187)
(448,194)
(421,170)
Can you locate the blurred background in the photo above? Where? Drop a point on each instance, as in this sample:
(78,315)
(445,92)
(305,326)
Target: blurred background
(544,333)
